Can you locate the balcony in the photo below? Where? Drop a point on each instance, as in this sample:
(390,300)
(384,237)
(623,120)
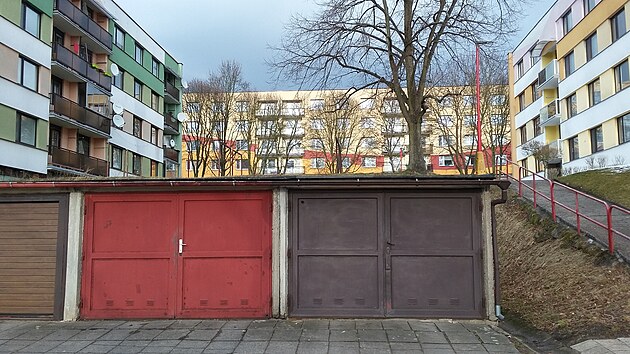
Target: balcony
(172,93)
(101,36)
(171,154)
(292,112)
(64,107)
(67,58)
(398,129)
(171,124)
(550,114)
(295,170)
(83,164)
(548,77)
(293,131)
(295,152)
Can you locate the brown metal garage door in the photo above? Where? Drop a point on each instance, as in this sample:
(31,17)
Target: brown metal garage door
(31,273)
(386,254)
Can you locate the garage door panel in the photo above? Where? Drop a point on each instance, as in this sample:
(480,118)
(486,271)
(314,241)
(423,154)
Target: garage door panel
(130,285)
(218,225)
(116,223)
(338,283)
(433,283)
(431,223)
(347,215)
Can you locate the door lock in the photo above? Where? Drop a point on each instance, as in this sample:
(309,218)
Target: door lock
(181,245)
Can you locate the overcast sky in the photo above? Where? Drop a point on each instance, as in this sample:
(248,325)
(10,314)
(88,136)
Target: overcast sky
(202,33)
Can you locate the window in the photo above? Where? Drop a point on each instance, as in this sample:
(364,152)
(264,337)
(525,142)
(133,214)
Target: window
(618,23)
(533,59)
(597,139)
(497,100)
(366,103)
(343,123)
(497,119)
(192,145)
(119,37)
(574,149)
(391,106)
(137,90)
(470,140)
(469,100)
(191,127)
(594,93)
(139,54)
(317,144)
(345,162)
(446,101)
(30,20)
(523,131)
(193,107)
(216,145)
(154,168)
(191,165)
(623,125)
(470,160)
(83,145)
(242,145)
(55,136)
(444,140)
(470,120)
(569,64)
(537,127)
(445,161)
(367,123)
(567,22)
(154,135)
(369,161)
(137,164)
(28,74)
(591,46)
(571,105)
(521,102)
(242,164)
(242,126)
(446,121)
(500,160)
(27,129)
(317,104)
(520,69)
(535,93)
(317,124)
(498,139)
(368,142)
(622,76)
(56,86)
(317,162)
(589,5)
(155,101)
(155,67)
(117,154)
(137,127)
(117,80)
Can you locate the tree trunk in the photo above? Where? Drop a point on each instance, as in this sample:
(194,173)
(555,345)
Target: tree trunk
(416,148)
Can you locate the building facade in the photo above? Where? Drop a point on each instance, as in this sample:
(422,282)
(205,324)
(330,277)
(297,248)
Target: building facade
(568,80)
(111,93)
(323,132)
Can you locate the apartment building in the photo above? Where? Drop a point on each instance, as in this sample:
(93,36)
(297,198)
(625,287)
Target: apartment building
(568,80)
(111,93)
(321,132)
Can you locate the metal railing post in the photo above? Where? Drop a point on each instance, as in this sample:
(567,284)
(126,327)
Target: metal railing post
(577,213)
(553,200)
(534,188)
(611,246)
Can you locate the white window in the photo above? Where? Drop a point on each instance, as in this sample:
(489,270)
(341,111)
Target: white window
(366,103)
(469,100)
(242,126)
(470,120)
(498,139)
(317,104)
(317,124)
(345,143)
(446,121)
(368,142)
(391,106)
(394,144)
(139,54)
(444,140)
(192,145)
(214,164)
(497,100)
(242,145)
(216,145)
(368,123)
(268,146)
(27,129)
(470,140)
(191,165)
(242,106)
(497,119)
(119,37)
(242,164)
(345,163)
(317,144)
(369,161)
(317,162)
(268,108)
(293,127)
(267,128)
(191,127)
(28,73)
(445,160)
(500,160)
(193,107)
(343,123)
(394,125)
(30,20)
(446,101)
(470,160)
(293,108)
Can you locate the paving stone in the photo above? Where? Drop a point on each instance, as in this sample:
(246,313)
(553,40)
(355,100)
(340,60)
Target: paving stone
(263,324)
(378,351)
(124,349)
(396,324)
(177,350)
(625,340)
(289,325)
(236,324)
(97,348)
(598,350)
(343,335)
(372,335)
(90,334)
(251,347)
(150,349)
(343,347)
(41,346)
(404,346)
(258,334)
(451,327)
(431,337)
(223,345)
(493,338)
(315,335)
(111,324)
(396,335)
(368,324)
(342,324)
(62,334)
(462,337)
(500,348)
(585,345)
(193,344)
(184,324)
(477,327)
(12,333)
(202,334)
(173,334)
(438,351)
(614,345)
(374,345)
(286,335)
(133,325)
(135,343)
(315,324)
(423,326)
(160,324)
(469,347)
(164,343)
(312,347)
(71,346)
(116,334)
(229,335)
(282,347)
(36,334)
(436,346)
(14,345)
(146,334)
(210,324)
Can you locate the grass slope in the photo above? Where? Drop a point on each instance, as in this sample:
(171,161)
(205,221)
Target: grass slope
(611,185)
(556,282)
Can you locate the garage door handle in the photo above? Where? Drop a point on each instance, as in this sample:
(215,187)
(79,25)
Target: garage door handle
(181,246)
(391,244)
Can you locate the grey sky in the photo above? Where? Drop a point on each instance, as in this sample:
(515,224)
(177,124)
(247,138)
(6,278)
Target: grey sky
(202,33)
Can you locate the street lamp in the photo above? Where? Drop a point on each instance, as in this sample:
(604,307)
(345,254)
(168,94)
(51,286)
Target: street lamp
(479,158)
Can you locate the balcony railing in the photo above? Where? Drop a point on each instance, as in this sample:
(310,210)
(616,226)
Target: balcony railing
(293,111)
(84,22)
(550,114)
(65,107)
(82,163)
(66,57)
(548,77)
(293,131)
(172,90)
(171,121)
(171,154)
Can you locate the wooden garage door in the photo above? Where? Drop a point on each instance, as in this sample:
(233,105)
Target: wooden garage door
(29,244)
(202,255)
(386,254)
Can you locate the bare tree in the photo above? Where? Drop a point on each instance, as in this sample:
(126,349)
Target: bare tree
(197,136)
(389,43)
(542,153)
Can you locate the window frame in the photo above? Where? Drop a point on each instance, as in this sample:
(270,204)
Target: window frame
(571,104)
(567,22)
(24,23)
(574,148)
(619,73)
(86,139)
(21,61)
(591,43)
(597,139)
(19,126)
(614,25)
(623,134)
(369,158)
(523,134)
(442,159)
(569,65)
(537,128)
(118,31)
(113,165)
(155,67)
(594,96)
(137,85)
(119,80)
(137,127)
(136,164)
(155,101)
(138,50)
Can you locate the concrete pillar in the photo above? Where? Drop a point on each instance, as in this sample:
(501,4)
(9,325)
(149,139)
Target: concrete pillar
(487,253)
(279,261)
(74,257)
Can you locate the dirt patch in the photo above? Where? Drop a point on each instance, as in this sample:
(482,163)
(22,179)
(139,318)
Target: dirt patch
(557,282)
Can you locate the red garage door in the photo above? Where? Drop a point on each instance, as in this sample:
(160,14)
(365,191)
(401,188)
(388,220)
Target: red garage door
(177,255)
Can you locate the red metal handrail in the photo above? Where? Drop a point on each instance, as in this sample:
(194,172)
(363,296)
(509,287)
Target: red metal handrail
(553,185)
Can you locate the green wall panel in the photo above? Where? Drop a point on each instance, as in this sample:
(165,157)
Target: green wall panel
(146,166)
(128,83)
(42,135)
(172,64)
(8,123)
(45,6)
(11,10)
(128,64)
(45,34)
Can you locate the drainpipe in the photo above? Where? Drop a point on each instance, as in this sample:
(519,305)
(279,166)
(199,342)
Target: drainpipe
(495,250)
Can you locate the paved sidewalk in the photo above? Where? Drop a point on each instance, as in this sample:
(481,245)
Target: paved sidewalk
(604,346)
(244,336)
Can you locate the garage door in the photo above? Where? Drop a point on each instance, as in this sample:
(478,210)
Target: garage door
(177,255)
(31,274)
(386,254)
